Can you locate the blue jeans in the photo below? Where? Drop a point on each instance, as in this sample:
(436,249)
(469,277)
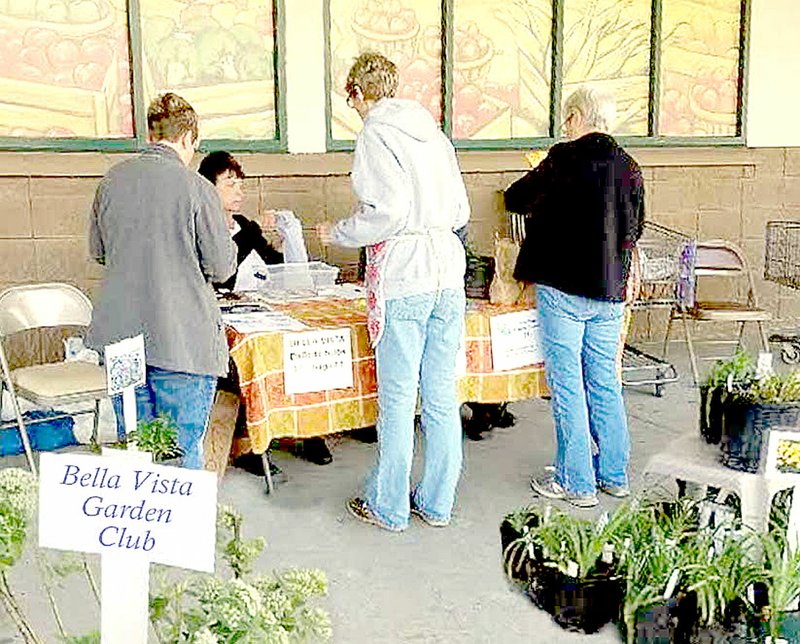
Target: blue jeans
(184,397)
(580,337)
(418,349)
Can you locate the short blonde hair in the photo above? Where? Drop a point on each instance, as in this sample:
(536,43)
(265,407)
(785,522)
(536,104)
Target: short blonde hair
(169,117)
(375,74)
(598,108)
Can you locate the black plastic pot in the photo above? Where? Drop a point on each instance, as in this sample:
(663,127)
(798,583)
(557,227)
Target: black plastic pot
(745,427)
(478,277)
(522,571)
(671,621)
(581,605)
(712,404)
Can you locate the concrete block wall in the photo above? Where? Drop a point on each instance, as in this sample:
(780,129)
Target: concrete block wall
(703,192)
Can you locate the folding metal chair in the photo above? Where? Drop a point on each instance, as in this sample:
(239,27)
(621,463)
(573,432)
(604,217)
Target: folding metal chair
(36,306)
(720,259)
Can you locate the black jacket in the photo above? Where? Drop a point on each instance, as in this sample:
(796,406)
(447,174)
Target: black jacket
(250,238)
(585,203)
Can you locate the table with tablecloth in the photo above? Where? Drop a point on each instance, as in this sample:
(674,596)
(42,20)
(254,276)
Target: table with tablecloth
(272,413)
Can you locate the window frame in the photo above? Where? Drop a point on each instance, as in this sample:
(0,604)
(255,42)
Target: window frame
(557,31)
(139,139)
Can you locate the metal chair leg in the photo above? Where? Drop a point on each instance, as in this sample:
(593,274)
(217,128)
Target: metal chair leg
(267,472)
(763,334)
(26,443)
(665,349)
(740,337)
(690,347)
(96,423)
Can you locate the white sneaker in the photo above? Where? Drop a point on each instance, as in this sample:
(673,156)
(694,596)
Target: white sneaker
(548,487)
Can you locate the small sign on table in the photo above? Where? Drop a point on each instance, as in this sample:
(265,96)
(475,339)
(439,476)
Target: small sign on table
(317,361)
(515,340)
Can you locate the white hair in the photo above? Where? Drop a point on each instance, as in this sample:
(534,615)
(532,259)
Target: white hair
(598,108)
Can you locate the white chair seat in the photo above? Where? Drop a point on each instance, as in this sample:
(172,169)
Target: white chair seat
(728,311)
(60,382)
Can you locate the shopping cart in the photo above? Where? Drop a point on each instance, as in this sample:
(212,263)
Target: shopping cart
(666,265)
(782,265)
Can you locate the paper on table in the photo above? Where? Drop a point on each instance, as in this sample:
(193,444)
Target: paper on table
(262,322)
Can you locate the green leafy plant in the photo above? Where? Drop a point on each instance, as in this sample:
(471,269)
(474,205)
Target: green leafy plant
(158,436)
(775,389)
(214,609)
(18,496)
(742,366)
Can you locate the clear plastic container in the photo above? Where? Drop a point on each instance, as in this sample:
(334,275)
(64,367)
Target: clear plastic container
(298,276)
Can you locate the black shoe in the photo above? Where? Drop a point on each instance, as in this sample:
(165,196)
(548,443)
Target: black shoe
(501,417)
(316,451)
(474,429)
(365,434)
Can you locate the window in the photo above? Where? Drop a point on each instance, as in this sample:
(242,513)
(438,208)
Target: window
(495,72)
(79,74)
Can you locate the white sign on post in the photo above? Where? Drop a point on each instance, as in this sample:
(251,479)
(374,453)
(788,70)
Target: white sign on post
(317,360)
(515,340)
(125,370)
(131,512)
(125,365)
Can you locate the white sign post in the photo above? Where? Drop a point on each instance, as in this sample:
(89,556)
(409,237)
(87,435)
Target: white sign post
(133,513)
(515,340)
(317,360)
(128,510)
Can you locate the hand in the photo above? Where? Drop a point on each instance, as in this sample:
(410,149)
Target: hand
(325,233)
(268,220)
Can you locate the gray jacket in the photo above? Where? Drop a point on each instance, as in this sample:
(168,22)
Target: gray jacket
(159,229)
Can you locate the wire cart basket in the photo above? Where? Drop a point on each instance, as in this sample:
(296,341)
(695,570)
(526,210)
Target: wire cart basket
(782,265)
(666,269)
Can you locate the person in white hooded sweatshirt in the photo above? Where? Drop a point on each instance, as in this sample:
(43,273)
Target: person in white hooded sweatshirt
(411,199)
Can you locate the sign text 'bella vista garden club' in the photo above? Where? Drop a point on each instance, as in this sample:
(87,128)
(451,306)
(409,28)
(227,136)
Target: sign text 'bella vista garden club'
(102,504)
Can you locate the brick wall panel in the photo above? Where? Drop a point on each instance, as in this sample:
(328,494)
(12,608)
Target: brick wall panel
(60,206)
(16,220)
(17,261)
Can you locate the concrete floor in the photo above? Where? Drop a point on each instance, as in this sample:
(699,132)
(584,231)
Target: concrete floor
(425,585)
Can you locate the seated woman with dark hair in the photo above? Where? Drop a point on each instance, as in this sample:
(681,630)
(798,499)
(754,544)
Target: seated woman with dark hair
(225,172)
(253,250)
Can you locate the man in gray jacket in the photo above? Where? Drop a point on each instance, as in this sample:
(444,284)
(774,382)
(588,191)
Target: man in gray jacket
(159,230)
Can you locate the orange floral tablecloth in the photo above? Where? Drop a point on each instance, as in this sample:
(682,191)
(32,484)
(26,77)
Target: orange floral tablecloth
(271,413)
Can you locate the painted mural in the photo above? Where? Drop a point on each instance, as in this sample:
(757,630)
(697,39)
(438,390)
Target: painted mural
(502,61)
(409,33)
(219,57)
(699,68)
(607,43)
(64,69)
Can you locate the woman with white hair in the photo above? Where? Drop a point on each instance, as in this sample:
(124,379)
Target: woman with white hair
(585,208)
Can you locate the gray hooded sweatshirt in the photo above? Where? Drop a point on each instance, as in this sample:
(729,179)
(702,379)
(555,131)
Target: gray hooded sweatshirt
(410,194)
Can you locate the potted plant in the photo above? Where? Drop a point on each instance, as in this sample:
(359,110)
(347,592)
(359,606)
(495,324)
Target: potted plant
(750,411)
(657,606)
(741,368)
(577,579)
(520,550)
(158,436)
